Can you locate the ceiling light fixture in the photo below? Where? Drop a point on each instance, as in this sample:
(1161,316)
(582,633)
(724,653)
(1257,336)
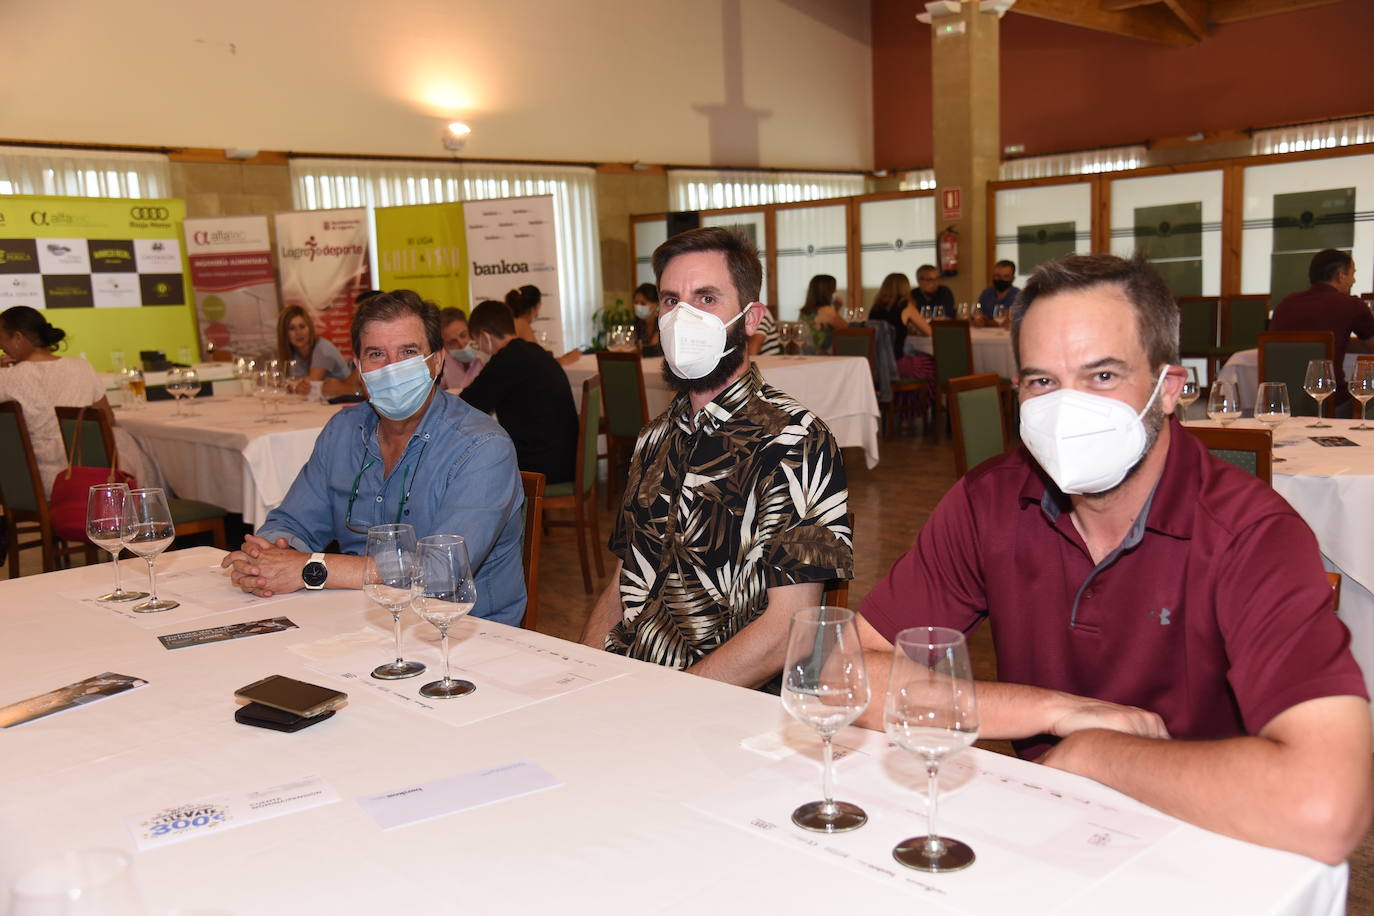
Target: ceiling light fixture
(456,136)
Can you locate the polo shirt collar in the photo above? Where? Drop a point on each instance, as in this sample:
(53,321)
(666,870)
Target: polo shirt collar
(722,408)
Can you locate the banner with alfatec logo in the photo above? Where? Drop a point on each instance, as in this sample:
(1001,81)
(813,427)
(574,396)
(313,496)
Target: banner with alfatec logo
(512,243)
(235,289)
(322,261)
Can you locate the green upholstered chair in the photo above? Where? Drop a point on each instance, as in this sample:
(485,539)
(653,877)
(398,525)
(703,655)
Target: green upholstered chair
(23,499)
(626,412)
(953,350)
(1243,319)
(1251,450)
(862,341)
(975,413)
(189,516)
(579,495)
(532,514)
(1197,325)
(1283,357)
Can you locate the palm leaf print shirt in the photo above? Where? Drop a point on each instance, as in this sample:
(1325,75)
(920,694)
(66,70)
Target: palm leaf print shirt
(746,495)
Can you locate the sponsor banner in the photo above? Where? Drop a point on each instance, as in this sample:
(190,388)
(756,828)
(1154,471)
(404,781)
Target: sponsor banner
(322,260)
(234,285)
(91,258)
(511,243)
(422,248)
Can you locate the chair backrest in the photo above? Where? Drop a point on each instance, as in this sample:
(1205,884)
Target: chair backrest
(856,342)
(1243,319)
(1251,450)
(533,514)
(1197,324)
(622,387)
(953,348)
(97,437)
(1283,357)
(588,431)
(21,487)
(975,415)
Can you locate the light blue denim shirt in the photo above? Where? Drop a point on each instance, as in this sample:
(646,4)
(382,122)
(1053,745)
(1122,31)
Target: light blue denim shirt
(460,475)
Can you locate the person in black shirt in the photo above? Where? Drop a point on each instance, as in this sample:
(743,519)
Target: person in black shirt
(527,390)
(930,291)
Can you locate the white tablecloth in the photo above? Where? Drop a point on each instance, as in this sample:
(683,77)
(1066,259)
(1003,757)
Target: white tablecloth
(227,455)
(838,389)
(617,838)
(991,350)
(1332,488)
(1243,369)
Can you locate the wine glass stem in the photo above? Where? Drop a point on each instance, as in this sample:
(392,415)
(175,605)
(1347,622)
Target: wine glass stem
(828,776)
(396,621)
(114,558)
(443,645)
(152,581)
(933,847)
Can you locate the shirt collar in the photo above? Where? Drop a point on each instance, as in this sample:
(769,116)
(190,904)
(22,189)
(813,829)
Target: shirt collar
(435,414)
(722,408)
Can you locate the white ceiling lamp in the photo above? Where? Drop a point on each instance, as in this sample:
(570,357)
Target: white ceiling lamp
(938,9)
(456,137)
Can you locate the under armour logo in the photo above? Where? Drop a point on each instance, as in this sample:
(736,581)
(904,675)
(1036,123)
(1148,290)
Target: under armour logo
(1163,615)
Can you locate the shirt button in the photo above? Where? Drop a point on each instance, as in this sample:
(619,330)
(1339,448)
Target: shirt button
(379,499)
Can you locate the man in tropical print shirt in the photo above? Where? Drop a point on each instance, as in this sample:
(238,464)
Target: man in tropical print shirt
(735,514)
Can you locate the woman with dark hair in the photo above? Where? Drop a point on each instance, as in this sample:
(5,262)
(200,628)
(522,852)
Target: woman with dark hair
(39,380)
(524,305)
(645,300)
(820,311)
(310,358)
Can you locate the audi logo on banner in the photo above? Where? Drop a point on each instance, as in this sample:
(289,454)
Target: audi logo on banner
(149,213)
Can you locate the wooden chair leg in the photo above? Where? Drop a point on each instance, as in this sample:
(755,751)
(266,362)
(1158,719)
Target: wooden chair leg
(217,535)
(596,537)
(579,530)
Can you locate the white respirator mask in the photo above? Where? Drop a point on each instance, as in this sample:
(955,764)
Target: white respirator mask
(693,341)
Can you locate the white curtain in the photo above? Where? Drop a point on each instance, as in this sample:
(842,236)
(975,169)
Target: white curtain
(713,189)
(83,173)
(919,180)
(1085,162)
(318,184)
(1325,135)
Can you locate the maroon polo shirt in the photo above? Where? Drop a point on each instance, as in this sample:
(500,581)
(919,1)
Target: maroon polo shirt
(1215,612)
(1325,308)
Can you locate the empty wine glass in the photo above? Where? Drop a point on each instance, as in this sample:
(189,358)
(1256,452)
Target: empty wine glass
(389,580)
(932,712)
(444,592)
(1271,409)
(1223,405)
(148,531)
(173,387)
(825,686)
(262,389)
(1320,384)
(243,371)
(1362,389)
(1188,394)
(190,388)
(105,529)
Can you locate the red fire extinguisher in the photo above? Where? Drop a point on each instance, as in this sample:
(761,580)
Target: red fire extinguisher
(949,252)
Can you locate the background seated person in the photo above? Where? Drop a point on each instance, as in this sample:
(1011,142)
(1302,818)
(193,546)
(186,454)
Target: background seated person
(309,358)
(524,308)
(1328,306)
(1002,292)
(1161,618)
(461,364)
(529,393)
(765,341)
(930,292)
(645,301)
(820,312)
(412,454)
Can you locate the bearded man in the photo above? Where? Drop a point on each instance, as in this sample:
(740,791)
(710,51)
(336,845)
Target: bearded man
(1162,621)
(735,511)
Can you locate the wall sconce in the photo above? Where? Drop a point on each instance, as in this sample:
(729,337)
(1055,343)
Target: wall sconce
(456,137)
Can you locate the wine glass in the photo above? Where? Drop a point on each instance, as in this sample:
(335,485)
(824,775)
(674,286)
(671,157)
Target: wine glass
(932,712)
(1223,405)
(1319,384)
(1362,388)
(80,882)
(1188,394)
(173,386)
(148,531)
(541,337)
(105,528)
(243,371)
(444,591)
(1271,409)
(389,580)
(999,314)
(138,390)
(825,686)
(262,390)
(190,387)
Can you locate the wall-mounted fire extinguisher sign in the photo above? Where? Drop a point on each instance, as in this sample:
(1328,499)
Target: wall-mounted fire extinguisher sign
(949,252)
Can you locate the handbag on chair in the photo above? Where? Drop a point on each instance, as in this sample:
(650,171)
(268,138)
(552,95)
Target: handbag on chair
(71,489)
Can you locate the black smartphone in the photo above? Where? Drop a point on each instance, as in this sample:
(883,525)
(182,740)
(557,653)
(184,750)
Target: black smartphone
(259,716)
(291,695)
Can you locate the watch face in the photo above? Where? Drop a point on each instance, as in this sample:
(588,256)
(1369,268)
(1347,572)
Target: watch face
(314,574)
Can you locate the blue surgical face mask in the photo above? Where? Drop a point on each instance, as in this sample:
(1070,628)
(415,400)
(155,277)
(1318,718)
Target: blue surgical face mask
(465,355)
(398,390)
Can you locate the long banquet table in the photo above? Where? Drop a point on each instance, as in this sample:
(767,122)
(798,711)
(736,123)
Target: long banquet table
(838,389)
(639,756)
(1242,368)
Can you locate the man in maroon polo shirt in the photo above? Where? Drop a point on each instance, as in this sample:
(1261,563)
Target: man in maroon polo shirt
(1328,306)
(1161,619)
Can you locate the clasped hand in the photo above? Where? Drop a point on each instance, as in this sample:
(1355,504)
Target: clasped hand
(264,568)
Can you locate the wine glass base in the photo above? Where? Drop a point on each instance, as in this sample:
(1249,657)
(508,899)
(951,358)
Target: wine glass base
(438,690)
(842,818)
(395,671)
(123,596)
(152,607)
(1362,426)
(912,853)
(1318,425)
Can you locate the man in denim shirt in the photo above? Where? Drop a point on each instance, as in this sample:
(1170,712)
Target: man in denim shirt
(413,454)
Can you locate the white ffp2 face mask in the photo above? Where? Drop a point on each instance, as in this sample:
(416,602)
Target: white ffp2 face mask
(693,341)
(1087,443)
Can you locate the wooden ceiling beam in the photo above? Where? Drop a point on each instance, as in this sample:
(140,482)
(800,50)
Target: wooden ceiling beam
(1224,11)
(1114,6)
(1150,23)
(1193,15)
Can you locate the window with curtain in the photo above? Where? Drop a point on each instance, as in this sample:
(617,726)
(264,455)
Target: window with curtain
(713,189)
(1324,135)
(322,184)
(918,180)
(83,173)
(1084,162)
